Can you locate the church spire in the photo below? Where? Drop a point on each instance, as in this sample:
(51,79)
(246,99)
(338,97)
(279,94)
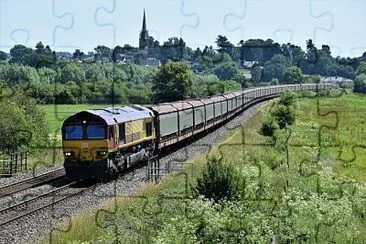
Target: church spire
(144,23)
(144,35)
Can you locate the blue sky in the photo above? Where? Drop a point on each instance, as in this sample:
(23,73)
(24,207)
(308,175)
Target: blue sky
(69,24)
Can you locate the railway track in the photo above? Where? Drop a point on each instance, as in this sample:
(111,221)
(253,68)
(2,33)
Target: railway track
(40,202)
(30,182)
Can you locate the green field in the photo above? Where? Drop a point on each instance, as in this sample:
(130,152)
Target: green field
(310,172)
(56,114)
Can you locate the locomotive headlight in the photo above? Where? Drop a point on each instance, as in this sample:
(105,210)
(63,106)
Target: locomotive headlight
(68,154)
(101,153)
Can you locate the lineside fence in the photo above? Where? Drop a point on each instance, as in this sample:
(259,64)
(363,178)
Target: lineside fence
(158,169)
(13,162)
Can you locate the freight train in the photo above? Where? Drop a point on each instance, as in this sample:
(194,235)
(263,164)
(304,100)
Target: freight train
(100,143)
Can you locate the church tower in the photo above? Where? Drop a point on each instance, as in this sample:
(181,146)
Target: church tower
(144,35)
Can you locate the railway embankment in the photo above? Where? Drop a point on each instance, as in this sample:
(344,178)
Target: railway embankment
(33,227)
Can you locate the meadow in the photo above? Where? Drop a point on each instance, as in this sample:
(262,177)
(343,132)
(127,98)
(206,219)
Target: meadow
(57,113)
(306,185)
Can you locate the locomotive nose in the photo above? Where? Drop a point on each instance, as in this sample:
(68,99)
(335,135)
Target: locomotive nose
(85,150)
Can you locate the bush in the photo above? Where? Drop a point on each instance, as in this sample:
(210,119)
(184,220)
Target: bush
(284,115)
(274,82)
(360,84)
(269,126)
(309,94)
(218,181)
(22,124)
(292,75)
(288,98)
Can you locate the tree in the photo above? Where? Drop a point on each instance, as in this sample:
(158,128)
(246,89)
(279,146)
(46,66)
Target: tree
(40,48)
(3,56)
(257,73)
(360,84)
(288,98)
(284,115)
(102,52)
(22,124)
(292,75)
(38,59)
(361,68)
(116,50)
(218,182)
(226,71)
(275,68)
(78,54)
(294,53)
(224,45)
(311,52)
(269,126)
(70,72)
(174,49)
(18,52)
(172,82)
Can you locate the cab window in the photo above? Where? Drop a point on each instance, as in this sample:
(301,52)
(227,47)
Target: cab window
(96,131)
(73,132)
(148,129)
(122,133)
(111,133)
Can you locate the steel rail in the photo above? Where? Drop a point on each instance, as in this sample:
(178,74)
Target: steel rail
(20,209)
(30,182)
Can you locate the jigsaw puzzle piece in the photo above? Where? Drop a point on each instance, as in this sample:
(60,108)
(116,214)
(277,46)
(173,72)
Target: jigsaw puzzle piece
(21,30)
(297,12)
(201,20)
(113,16)
(81,14)
(355,10)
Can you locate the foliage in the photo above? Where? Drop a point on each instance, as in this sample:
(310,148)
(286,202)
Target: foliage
(257,73)
(275,68)
(292,75)
(361,69)
(41,57)
(284,115)
(218,182)
(287,197)
(22,124)
(360,84)
(103,52)
(274,82)
(288,98)
(269,126)
(3,56)
(226,71)
(172,82)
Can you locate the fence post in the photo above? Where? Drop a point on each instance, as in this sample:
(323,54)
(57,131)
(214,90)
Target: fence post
(11,164)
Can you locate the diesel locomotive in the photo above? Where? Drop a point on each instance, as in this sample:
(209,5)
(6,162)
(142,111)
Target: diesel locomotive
(99,143)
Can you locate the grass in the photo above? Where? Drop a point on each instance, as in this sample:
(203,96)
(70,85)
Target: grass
(56,114)
(303,141)
(345,143)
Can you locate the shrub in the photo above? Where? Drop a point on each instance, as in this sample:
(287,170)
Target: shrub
(309,94)
(274,82)
(218,181)
(22,124)
(269,126)
(360,84)
(284,115)
(288,98)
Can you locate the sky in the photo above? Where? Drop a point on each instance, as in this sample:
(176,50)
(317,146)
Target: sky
(65,25)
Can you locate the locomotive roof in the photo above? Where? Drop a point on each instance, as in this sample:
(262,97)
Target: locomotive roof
(120,114)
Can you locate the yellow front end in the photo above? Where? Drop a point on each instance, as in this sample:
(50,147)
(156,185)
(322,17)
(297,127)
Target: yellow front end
(85,150)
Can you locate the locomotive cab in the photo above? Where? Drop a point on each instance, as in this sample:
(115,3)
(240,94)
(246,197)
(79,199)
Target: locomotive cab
(102,142)
(85,138)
